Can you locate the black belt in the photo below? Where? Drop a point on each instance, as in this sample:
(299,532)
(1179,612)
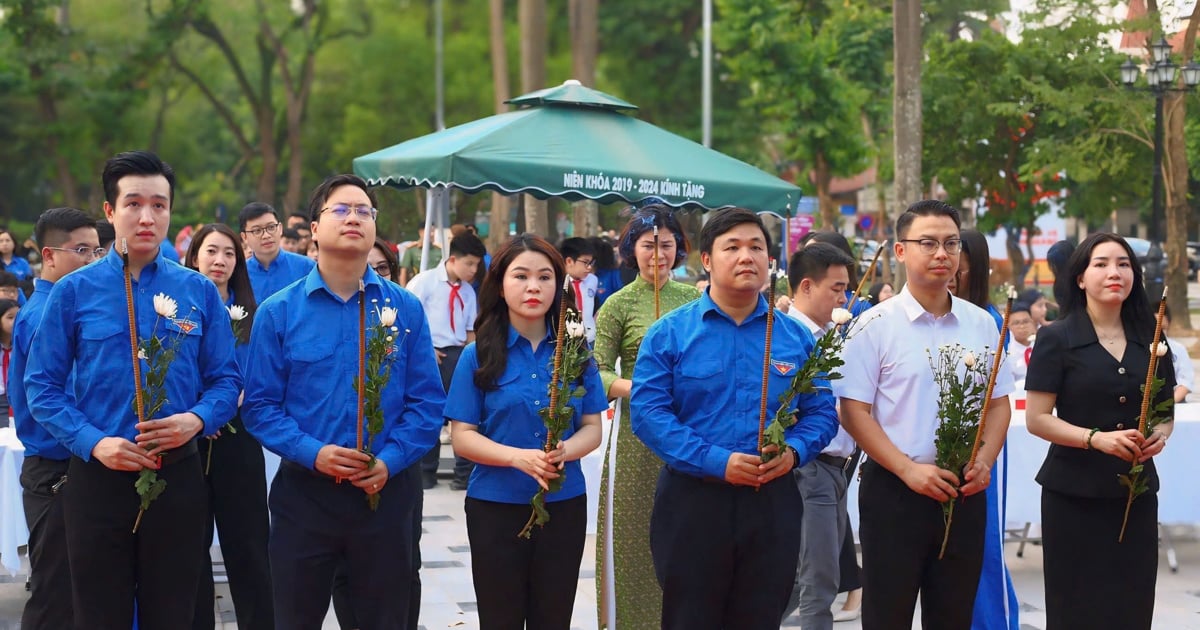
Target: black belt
(189,448)
(836,462)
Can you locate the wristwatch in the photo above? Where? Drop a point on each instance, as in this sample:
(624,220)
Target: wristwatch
(795,457)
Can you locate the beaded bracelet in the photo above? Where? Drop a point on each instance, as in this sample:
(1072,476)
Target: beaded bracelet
(1089,437)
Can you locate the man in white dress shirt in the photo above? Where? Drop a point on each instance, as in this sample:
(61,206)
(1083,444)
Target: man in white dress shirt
(1020,339)
(819,276)
(580,258)
(889,404)
(449,300)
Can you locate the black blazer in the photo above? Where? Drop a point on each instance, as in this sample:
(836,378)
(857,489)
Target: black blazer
(1093,390)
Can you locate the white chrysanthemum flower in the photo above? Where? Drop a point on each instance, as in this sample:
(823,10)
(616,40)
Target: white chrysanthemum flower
(1031,339)
(1161,349)
(841,316)
(237,312)
(1012,292)
(969,359)
(165,306)
(142,354)
(387,316)
(575,329)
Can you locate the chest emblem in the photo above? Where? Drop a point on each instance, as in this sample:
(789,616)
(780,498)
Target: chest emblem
(783,367)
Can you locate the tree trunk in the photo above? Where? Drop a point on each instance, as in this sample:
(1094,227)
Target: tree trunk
(583,17)
(906,106)
(1175,184)
(498,216)
(828,210)
(532,16)
(1016,257)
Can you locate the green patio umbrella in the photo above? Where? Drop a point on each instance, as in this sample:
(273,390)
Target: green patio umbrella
(574,142)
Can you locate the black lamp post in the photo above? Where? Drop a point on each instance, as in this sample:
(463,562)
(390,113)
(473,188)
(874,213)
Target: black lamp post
(1160,79)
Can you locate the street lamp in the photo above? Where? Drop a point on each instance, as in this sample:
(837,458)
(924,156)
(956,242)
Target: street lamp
(1160,79)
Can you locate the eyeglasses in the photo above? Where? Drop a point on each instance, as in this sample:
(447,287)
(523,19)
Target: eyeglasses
(263,229)
(384,268)
(88,253)
(586,263)
(342,211)
(929,246)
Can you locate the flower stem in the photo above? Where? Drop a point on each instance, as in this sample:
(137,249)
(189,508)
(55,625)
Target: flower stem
(946,536)
(1125,520)
(208,460)
(138,520)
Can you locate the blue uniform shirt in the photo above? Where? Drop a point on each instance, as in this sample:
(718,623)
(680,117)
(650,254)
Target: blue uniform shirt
(300,393)
(509,415)
(37,440)
(241,350)
(86,327)
(19,267)
(284,270)
(696,397)
(168,251)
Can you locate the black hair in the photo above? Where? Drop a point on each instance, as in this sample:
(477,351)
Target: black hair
(576,247)
(299,215)
(239,277)
(389,255)
(106,232)
(837,240)
(8,279)
(925,208)
(467,244)
(252,211)
(7,305)
(875,290)
(813,262)
(321,193)
(975,247)
(291,233)
(1031,296)
(491,327)
(725,219)
(602,249)
(1135,310)
(134,163)
(644,220)
(55,225)
(1020,307)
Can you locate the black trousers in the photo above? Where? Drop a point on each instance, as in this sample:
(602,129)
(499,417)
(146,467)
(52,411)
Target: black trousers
(341,579)
(901,533)
(159,566)
(525,584)
(1093,581)
(49,603)
(429,463)
(317,525)
(237,495)
(724,555)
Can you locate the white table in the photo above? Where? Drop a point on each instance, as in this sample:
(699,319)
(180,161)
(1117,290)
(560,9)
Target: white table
(13,533)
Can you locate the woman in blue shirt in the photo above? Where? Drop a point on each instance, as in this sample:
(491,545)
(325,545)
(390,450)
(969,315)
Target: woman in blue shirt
(498,387)
(12,263)
(235,471)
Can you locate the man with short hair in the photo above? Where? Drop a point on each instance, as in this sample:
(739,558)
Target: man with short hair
(889,404)
(299,221)
(290,241)
(69,241)
(446,294)
(270,268)
(301,404)
(695,403)
(580,259)
(1020,342)
(85,336)
(10,287)
(819,276)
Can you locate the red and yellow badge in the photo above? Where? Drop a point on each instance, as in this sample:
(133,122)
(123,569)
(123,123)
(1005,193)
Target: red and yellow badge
(782,368)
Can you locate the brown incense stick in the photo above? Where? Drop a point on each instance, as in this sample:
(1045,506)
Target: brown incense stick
(558,350)
(862,282)
(1135,471)
(991,384)
(766,368)
(657,308)
(137,364)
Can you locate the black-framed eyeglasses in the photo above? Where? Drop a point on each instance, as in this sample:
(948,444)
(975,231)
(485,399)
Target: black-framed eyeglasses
(586,263)
(342,211)
(88,253)
(383,268)
(264,229)
(929,246)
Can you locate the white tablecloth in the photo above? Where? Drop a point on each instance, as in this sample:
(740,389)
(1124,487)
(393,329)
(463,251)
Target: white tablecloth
(1178,469)
(13,532)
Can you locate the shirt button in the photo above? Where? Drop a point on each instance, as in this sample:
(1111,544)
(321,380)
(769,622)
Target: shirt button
(1121,370)
(1120,425)
(533,376)
(1122,399)
(537,402)
(536,434)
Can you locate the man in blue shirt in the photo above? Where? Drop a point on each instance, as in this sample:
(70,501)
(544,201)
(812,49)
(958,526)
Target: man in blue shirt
(696,403)
(69,241)
(270,268)
(301,403)
(85,333)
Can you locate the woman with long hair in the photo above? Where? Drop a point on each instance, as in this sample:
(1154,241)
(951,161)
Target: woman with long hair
(626,580)
(8,316)
(236,475)
(10,260)
(499,386)
(1084,393)
(996,603)
(383,260)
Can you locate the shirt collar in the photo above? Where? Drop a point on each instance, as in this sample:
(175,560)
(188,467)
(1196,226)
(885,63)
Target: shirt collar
(40,285)
(799,315)
(914,310)
(113,258)
(314,282)
(514,336)
(707,305)
(1081,331)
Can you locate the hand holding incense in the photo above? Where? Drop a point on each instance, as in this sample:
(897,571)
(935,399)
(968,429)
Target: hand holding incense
(1148,419)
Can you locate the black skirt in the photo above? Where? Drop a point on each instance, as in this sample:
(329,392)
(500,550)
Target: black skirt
(1093,581)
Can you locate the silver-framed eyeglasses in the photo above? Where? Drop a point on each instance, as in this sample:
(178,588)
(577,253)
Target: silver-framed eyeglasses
(342,211)
(88,253)
(263,229)
(929,246)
